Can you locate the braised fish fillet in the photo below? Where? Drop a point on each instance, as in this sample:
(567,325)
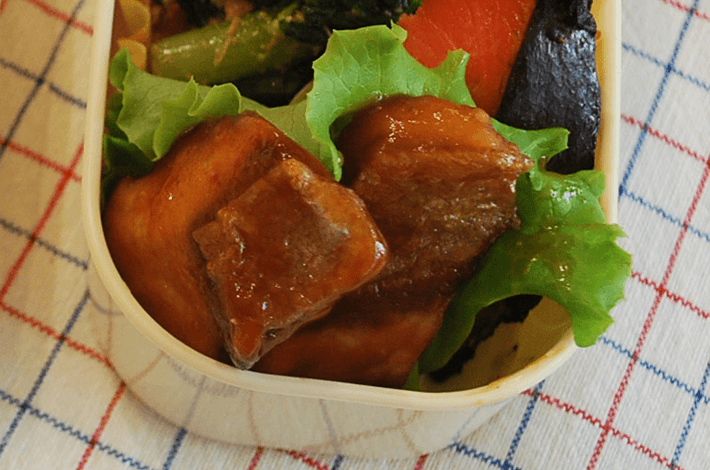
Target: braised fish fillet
(440,184)
(283,252)
(149,221)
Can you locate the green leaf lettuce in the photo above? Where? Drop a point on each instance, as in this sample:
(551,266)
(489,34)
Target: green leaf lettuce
(563,250)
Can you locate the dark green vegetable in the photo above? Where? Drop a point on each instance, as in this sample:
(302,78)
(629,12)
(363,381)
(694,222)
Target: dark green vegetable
(321,17)
(554,81)
(199,12)
(315,19)
(276,88)
(230,50)
(271,43)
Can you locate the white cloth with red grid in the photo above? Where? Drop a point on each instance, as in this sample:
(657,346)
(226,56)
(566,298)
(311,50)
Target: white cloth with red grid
(639,399)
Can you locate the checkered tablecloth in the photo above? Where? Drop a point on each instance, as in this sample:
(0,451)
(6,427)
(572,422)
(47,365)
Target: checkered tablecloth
(639,399)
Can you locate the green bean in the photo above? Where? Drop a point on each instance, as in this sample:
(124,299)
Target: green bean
(229,51)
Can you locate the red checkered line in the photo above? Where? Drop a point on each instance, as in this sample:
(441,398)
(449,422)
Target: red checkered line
(665,138)
(66,175)
(257,457)
(311,462)
(671,295)
(420,463)
(41,159)
(54,200)
(597,422)
(95,438)
(52,333)
(686,8)
(55,13)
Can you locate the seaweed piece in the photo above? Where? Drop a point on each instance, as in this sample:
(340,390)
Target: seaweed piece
(511,310)
(276,88)
(321,17)
(200,12)
(554,82)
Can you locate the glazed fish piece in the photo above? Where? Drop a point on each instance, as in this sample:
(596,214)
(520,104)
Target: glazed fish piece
(440,184)
(438,180)
(282,253)
(368,338)
(149,221)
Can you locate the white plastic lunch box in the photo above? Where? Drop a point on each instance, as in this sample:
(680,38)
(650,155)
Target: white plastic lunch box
(219,402)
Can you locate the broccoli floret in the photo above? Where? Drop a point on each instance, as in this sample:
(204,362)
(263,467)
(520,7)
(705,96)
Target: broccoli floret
(199,12)
(296,32)
(314,19)
(320,17)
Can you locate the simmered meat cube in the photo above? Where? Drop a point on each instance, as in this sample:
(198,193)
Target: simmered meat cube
(438,180)
(283,252)
(440,184)
(366,338)
(149,221)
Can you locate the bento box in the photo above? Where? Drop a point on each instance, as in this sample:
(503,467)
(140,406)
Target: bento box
(220,402)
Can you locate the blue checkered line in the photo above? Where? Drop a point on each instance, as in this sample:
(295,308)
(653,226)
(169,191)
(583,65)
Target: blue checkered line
(26,408)
(665,376)
(39,79)
(505,463)
(337,462)
(20,232)
(669,69)
(623,192)
(71,431)
(699,398)
(522,426)
(25,404)
(483,457)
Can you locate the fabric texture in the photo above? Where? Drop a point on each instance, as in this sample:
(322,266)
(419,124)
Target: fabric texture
(638,399)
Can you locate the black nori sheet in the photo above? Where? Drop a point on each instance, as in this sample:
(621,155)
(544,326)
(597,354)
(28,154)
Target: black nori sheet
(510,310)
(200,12)
(554,82)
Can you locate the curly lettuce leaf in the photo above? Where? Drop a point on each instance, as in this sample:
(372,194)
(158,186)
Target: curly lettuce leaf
(563,225)
(537,144)
(563,250)
(156,110)
(359,66)
(150,112)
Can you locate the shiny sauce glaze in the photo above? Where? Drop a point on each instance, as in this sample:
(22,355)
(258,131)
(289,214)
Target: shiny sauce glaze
(439,182)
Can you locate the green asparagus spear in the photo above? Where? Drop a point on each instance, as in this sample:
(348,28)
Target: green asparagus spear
(231,50)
